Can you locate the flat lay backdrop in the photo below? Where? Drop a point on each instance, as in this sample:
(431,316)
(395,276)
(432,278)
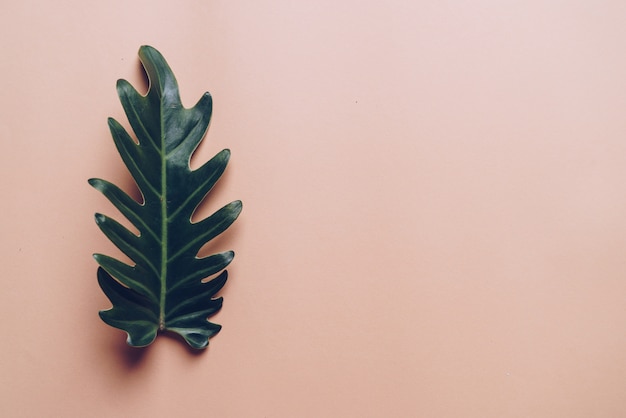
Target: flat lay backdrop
(434,218)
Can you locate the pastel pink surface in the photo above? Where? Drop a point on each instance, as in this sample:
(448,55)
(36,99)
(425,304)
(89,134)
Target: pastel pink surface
(434,216)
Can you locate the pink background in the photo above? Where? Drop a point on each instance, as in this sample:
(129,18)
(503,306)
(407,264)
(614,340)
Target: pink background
(434,214)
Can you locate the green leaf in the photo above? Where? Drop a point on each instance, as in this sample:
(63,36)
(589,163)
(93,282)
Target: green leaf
(165,289)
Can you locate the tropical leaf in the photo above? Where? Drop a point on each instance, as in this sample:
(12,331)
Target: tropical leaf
(166,288)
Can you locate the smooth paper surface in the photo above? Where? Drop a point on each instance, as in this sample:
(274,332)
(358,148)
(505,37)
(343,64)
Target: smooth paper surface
(434,218)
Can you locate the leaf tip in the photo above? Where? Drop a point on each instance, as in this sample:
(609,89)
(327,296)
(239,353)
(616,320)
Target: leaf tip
(100,218)
(94,182)
(146,48)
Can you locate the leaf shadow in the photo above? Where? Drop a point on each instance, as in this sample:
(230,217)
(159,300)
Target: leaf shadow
(133,357)
(141,78)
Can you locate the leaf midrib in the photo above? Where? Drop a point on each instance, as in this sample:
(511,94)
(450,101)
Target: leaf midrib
(164,224)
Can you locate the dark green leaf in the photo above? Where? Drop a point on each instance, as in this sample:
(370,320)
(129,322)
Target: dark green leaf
(166,288)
